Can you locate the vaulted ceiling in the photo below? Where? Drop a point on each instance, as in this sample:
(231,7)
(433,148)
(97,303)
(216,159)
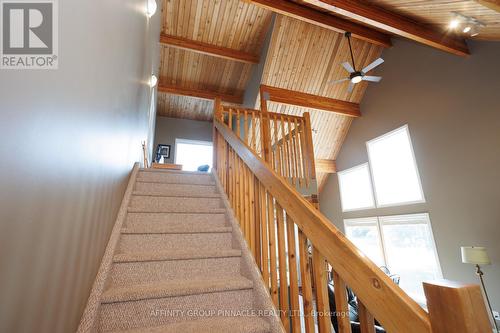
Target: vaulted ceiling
(211,48)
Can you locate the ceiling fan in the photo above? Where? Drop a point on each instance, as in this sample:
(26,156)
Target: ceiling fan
(356,76)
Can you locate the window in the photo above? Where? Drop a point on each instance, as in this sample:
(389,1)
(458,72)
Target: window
(356,188)
(394,170)
(403,243)
(191,154)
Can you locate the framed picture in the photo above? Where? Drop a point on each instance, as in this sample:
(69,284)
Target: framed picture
(163,151)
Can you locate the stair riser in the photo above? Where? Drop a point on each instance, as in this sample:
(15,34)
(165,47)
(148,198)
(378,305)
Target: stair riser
(175,189)
(175,220)
(174,204)
(154,312)
(154,271)
(175,178)
(165,242)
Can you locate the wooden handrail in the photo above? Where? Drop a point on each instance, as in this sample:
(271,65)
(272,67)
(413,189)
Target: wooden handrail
(386,301)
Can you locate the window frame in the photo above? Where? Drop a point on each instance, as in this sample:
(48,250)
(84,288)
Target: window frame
(374,186)
(379,224)
(371,188)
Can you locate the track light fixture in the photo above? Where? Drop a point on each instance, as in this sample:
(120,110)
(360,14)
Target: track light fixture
(151,7)
(468,25)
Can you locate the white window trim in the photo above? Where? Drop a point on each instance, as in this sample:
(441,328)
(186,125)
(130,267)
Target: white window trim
(378,205)
(192,142)
(371,188)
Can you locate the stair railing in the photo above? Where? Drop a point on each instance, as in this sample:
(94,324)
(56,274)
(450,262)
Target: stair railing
(294,245)
(285,139)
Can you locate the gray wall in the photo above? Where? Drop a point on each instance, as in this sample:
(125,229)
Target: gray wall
(169,129)
(69,139)
(451,105)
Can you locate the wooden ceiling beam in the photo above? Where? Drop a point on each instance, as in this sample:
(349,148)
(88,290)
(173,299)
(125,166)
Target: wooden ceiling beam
(208,49)
(396,24)
(324,20)
(298,98)
(325,166)
(198,93)
(491,4)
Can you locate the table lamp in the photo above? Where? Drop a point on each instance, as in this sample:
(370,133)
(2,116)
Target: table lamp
(477,255)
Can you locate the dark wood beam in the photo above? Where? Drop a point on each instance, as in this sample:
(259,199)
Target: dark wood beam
(209,49)
(324,20)
(298,98)
(325,166)
(491,4)
(380,18)
(197,93)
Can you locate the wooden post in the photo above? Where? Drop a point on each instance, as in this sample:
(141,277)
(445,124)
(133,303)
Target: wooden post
(266,131)
(309,145)
(456,307)
(216,112)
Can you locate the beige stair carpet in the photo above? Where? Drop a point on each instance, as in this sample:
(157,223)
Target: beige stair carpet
(180,264)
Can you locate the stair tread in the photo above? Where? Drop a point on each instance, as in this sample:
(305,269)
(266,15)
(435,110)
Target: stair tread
(163,229)
(218,324)
(174,288)
(175,171)
(173,195)
(173,181)
(206,211)
(175,255)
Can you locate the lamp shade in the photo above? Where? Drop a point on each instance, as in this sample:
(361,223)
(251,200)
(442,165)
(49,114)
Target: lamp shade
(475,255)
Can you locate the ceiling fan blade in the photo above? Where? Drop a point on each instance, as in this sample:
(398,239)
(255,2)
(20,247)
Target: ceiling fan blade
(337,81)
(351,87)
(373,65)
(372,78)
(348,67)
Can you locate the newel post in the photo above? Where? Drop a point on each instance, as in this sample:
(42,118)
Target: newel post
(456,307)
(266,121)
(217,113)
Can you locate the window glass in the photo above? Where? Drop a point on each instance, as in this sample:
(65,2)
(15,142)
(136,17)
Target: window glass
(364,234)
(394,171)
(193,154)
(356,188)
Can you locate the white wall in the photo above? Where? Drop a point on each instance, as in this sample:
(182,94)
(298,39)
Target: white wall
(451,105)
(169,129)
(69,138)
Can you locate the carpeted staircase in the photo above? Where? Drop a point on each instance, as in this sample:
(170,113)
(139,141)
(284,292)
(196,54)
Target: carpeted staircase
(180,264)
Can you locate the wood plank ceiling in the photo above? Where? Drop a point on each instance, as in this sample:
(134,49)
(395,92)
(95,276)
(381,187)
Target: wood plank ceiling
(227,23)
(305,58)
(436,13)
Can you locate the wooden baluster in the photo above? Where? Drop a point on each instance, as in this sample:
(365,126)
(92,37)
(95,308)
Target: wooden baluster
(294,283)
(264,235)
(279,164)
(246,203)
(261,148)
(284,144)
(341,302)
(251,212)
(238,123)
(245,128)
(303,149)
(240,194)
(254,141)
(321,286)
(293,157)
(230,119)
(272,248)
(266,132)
(366,320)
(283,280)
(296,146)
(217,107)
(258,222)
(305,278)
